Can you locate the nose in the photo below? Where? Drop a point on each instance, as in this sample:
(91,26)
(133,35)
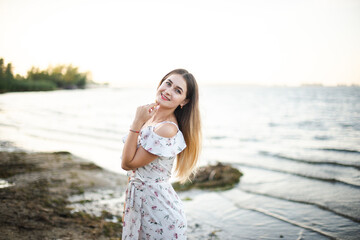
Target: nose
(167,91)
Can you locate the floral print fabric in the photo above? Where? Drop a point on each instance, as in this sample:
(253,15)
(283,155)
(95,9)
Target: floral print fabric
(153,210)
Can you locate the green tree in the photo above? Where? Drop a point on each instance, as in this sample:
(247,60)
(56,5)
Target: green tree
(60,76)
(9,76)
(2,79)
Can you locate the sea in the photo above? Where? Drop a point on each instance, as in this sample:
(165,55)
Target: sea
(297,147)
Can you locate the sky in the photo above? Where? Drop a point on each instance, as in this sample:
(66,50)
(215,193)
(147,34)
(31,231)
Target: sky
(136,42)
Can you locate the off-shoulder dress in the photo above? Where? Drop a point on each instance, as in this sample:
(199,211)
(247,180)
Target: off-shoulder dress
(152,209)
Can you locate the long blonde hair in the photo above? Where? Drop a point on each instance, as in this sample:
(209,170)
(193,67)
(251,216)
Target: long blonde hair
(189,122)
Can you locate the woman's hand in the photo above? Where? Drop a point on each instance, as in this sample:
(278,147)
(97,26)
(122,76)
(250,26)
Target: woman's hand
(132,156)
(143,114)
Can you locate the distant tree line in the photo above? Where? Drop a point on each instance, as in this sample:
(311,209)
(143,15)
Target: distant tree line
(58,77)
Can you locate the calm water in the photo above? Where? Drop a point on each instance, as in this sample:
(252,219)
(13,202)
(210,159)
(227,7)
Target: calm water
(298,147)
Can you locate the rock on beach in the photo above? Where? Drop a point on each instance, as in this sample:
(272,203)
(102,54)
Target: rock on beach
(216,177)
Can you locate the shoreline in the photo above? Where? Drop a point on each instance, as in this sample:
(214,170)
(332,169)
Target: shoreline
(58,195)
(47,195)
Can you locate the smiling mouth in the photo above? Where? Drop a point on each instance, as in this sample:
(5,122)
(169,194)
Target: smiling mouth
(165,98)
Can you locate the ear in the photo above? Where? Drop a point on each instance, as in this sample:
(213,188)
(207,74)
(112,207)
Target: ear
(183,103)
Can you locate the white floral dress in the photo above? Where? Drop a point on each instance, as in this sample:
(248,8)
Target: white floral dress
(152,209)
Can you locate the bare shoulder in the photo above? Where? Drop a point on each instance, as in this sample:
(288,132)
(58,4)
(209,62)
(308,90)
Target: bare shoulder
(167,130)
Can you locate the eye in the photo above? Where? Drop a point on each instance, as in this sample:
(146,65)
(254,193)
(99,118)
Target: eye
(178,91)
(168,83)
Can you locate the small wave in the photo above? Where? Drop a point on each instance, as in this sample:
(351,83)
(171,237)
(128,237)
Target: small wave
(249,140)
(218,137)
(8,125)
(279,217)
(73,133)
(355,219)
(272,124)
(310,125)
(325,179)
(354,126)
(284,219)
(72,141)
(99,129)
(5,184)
(265,153)
(340,150)
(322,138)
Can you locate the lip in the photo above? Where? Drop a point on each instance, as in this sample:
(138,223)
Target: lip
(165,98)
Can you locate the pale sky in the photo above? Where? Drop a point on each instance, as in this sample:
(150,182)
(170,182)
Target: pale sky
(132,42)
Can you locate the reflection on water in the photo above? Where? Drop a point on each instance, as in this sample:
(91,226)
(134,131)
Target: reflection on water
(5,184)
(298,148)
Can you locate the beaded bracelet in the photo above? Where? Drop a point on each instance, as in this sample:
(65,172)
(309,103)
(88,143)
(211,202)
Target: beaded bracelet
(134,131)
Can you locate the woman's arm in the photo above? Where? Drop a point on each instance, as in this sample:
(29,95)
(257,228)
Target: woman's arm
(132,157)
(143,157)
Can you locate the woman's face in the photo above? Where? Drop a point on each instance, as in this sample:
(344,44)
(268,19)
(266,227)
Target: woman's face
(172,92)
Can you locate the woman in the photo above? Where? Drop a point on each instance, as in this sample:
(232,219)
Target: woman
(162,131)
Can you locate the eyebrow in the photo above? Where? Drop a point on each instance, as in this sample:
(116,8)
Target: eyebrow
(176,86)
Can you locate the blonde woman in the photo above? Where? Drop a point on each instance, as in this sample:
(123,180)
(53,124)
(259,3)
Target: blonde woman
(161,132)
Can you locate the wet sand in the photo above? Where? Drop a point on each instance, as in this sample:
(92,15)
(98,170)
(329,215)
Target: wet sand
(42,196)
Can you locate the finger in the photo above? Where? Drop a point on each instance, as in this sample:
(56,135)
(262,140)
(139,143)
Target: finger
(154,110)
(151,106)
(154,106)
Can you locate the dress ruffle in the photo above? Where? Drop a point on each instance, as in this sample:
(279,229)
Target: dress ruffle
(161,146)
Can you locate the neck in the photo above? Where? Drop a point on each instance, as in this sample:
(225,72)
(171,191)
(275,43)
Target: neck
(163,115)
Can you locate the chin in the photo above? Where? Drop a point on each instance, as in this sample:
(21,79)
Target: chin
(159,100)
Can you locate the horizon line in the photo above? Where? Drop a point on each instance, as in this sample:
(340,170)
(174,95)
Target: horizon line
(112,85)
